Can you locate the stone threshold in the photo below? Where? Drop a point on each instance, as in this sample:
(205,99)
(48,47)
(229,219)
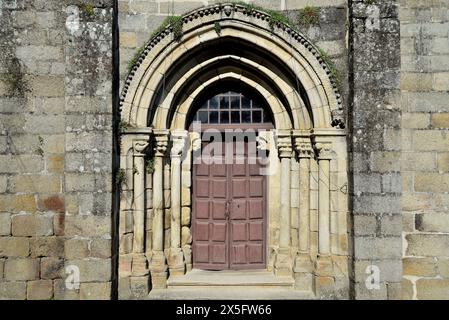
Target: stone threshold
(232,278)
(230,285)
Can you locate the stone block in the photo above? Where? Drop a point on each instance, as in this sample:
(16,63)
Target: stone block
(377,248)
(18,203)
(432,289)
(47,247)
(100,248)
(16,290)
(391,225)
(407,289)
(61,292)
(385,161)
(5,224)
(431,182)
(433,222)
(365,225)
(420,267)
(90,226)
(52,268)
(443,161)
(441,83)
(427,245)
(415,120)
(140,286)
(418,161)
(430,140)
(33,183)
(98,270)
(95,291)
(441,120)
(21,269)
(47,86)
(32,225)
(128,39)
(40,290)
(76,248)
(14,247)
(55,163)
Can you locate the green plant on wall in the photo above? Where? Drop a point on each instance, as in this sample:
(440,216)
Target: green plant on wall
(217,28)
(123,126)
(149,165)
(121,178)
(309,16)
(88,9)
(176,24)
(335,74)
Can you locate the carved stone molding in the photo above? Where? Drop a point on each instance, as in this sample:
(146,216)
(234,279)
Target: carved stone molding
(161,139)
(303,146)
(179,143)
(140,147)
(284,144)
(324,150)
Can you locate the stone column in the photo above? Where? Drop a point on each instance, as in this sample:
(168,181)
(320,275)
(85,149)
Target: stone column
(176,257)
(139,262)
(324,157)
(283,264)
(303,264)
(158,266)
(324,263)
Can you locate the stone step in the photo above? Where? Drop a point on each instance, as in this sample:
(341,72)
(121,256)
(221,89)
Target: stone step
(258,278)
(230,293)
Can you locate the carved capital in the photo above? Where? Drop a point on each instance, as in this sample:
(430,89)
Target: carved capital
(264,141)
(284,144)
(161,141)
(196,141)
(179,143)
(140,147)
(303,146)
(324,150)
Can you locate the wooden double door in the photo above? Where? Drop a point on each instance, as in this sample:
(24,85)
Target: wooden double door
(229,218)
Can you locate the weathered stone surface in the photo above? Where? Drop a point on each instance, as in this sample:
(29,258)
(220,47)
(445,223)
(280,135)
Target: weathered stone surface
(95,291)
(433,222)
(92,226)
(14,247)
(76,248)
(51,268)
(431,289)
(32,225)
(427,245)
(47,247)
(92,269)
(13,290)
(40,290)
(20,269)
(422,267)
(5,224)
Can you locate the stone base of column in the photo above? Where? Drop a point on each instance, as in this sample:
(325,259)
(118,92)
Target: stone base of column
(324,266)
(187,250)
(304,282)
(283,263)
(140,287)
(176,262)
(303,263)
(158,270)
(139,266)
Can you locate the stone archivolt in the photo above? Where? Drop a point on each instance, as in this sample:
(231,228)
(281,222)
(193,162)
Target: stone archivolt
(307,231)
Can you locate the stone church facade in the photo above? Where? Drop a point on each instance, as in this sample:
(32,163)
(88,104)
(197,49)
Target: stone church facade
(111,112)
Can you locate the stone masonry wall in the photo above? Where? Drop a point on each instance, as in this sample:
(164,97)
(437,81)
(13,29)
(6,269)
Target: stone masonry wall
(425,145)
(375,148)
(55,148)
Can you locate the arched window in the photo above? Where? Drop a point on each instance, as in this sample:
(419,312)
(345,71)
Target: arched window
(232,108)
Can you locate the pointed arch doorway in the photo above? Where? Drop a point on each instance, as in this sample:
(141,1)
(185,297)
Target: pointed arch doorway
(229,209)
